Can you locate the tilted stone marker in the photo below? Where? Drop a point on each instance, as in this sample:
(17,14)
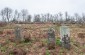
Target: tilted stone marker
(18,36)
(51,38)
(65,36)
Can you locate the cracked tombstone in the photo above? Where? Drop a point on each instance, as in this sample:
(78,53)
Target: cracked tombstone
(18,37)
(65,37)
(51,39)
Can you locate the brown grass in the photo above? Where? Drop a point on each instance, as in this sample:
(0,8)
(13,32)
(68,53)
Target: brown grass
(37,34)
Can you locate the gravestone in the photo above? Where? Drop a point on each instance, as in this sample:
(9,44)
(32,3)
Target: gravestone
(51,39)
(18,36)
(65,36)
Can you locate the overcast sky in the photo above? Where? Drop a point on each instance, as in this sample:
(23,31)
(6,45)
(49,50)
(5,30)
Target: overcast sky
(46,6)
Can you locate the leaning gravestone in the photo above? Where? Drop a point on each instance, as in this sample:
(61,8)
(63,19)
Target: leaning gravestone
(51,39)
(65,36)
(18,36)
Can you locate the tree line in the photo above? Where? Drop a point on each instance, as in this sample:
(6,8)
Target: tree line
(8,15)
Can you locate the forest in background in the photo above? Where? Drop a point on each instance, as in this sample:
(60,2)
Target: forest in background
(9,15)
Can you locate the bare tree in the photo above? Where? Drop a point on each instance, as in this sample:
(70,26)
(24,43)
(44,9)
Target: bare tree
(56,18)
(48,17)
(29,18)
(24,13)
(15,14)
(66,16)
(60,17)
(43,18)
(83,18)
(76,17)
(8,13)
(37,18)
(2,13)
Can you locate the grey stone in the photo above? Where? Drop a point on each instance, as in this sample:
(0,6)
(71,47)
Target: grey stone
(51,38)
(66,42)
(18,36)
(65,37)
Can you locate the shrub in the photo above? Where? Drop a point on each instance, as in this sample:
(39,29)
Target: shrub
(81,35)
(58,42)
(47,52)
(27,38)
(2,24)
(1,32)
(17,51)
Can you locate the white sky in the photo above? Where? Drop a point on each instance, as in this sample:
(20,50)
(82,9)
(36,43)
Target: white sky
(45,6)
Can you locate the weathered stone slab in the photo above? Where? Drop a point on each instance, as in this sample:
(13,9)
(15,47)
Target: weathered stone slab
(65,36)
(64,30)
(18,36)
(51,38)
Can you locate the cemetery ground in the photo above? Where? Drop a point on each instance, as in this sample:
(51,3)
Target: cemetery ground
(35,40)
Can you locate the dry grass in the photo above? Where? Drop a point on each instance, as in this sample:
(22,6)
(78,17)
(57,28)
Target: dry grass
(38,43)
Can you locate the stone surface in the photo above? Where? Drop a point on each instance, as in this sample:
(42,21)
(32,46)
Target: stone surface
(66,42)
(18,36)
(65,37)
(51,38)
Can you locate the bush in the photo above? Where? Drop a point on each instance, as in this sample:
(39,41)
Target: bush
(47,52)
(17,51)
(1,32)
(27,38)
(58,42)
(2,24)
(81,35)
